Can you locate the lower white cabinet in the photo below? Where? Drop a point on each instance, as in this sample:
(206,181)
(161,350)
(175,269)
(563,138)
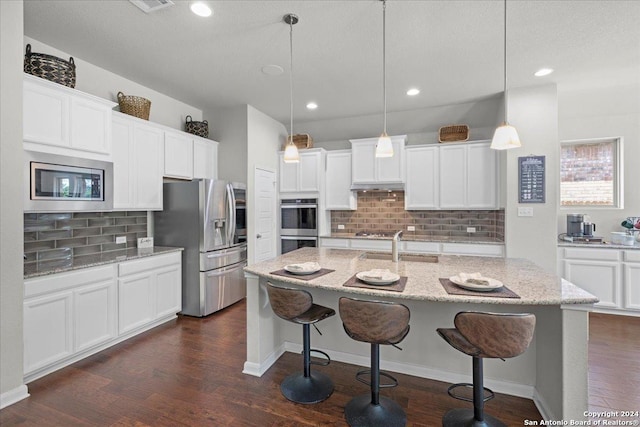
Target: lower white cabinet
(414,246)
(612,275)
(70,315)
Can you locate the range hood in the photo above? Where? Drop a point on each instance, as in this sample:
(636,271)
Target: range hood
(391,186)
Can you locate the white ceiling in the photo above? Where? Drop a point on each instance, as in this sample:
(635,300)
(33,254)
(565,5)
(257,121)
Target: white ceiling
(451,50)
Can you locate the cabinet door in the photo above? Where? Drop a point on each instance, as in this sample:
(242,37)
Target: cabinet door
(45,115)
(47,330)
(205,159)
(482,172)
(632,286)
(601,279)
(90,126)
(178,155)
(453,177)
(422,178)
(135,302)
(95,311)
(147,163)
(363,163)
(168,292)
(288,176)
(338,182)
(309,171)
(390,169)
(122,150)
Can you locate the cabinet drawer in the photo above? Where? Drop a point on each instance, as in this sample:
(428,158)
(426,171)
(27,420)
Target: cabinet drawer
(334,243)
(150,263)
(473,249)
(60,281)
(371,244)
(592,254)
(631,256)
(427,247)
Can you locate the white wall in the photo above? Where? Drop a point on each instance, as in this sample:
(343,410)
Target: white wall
(229,127)
(534,113)
(601,112)
(11,240)
(105,84)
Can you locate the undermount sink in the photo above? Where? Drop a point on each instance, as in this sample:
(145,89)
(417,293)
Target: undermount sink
(402,257)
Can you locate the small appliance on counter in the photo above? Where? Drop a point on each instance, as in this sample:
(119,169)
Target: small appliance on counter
(580,230)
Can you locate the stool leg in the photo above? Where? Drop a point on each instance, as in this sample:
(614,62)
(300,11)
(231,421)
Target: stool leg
(375,374)
(306,349)
(478,390)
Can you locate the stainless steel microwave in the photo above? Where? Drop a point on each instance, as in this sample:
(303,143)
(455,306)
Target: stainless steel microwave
(69,184)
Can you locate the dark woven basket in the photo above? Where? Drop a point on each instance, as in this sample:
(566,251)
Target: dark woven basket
(50,67)
(197,128)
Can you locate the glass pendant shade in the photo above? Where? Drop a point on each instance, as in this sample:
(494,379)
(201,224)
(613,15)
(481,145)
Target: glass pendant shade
(291,154)
(384,148)
(505,137)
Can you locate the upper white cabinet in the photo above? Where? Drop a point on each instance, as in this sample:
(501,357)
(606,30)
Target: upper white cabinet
(138,163)
(304,176)
(367,169)
(205,158)
(468,176)
(178,155)
(338,181)
(423,178)
(61,120)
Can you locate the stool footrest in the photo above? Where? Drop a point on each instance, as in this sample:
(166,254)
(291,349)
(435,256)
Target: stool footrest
(323,355)
(451,393)
(360,374)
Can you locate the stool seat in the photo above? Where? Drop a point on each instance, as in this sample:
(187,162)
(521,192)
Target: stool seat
(296,305)
(484,335)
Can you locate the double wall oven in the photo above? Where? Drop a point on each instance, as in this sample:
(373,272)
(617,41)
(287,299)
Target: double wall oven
(298,224)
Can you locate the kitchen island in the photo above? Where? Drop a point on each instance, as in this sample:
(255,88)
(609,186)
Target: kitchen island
(553,371)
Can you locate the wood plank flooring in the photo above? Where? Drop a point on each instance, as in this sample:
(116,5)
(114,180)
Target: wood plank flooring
(188,373)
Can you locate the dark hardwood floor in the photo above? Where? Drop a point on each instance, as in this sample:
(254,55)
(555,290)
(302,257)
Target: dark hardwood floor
(188,372)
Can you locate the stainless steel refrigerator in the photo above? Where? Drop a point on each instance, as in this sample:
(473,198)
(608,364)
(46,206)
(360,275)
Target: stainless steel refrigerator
(208,219)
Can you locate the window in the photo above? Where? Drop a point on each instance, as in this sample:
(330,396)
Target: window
(590,173)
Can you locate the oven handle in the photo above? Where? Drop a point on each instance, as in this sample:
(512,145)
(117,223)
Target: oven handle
(297,238)
(304,205)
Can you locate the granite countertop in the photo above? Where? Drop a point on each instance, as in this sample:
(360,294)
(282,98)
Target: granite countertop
(534,285)
(58,266)
(408,236)
(603,245)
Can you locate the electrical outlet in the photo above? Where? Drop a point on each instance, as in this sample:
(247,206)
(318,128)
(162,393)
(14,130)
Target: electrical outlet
(471,229)
(121,239)
(411,228)
(525,211)
(340,226)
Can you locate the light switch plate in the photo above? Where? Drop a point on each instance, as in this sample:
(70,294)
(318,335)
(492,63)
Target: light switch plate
(145,242)
(340,226)
(121,239)
(411,228)
(471,229)
(525,211)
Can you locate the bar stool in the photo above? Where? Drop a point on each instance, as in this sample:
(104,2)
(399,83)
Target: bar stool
(484,335)
(374,322)
(296,305)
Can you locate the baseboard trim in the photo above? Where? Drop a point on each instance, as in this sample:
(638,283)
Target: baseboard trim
(12,396)
(257,369)
(543,407)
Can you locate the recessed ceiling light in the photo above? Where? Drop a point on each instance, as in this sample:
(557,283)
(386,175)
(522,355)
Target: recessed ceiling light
(312,106)
(413,91)
(272,70)
(543,72)
(201,9)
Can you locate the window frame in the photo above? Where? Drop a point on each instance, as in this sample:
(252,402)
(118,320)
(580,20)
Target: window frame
(618,170)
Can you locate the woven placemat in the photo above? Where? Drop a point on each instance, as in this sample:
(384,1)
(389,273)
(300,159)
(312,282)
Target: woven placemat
(398,286)
(454,289)
(285,273)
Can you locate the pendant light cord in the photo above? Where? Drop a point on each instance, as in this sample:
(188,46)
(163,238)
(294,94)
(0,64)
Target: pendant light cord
(291,75)
(506,113)
(384,62)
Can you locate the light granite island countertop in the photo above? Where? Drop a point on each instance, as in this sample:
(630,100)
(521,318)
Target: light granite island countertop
(552,372)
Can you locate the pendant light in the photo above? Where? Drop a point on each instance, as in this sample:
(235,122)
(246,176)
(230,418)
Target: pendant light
(291,154)
(384,148)
(505,136)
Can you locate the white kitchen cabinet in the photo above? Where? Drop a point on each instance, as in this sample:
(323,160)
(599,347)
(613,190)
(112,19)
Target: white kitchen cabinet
(367,169)
(148,289)
(138,164)
(631,282)
(414,246)
(338,182)
(473,249)
(423,178)
(64,121)
(205,158)
(178,155)
(94,308)
(468,176)
(304,176)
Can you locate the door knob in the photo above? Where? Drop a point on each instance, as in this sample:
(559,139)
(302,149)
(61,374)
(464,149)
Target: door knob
(258,236)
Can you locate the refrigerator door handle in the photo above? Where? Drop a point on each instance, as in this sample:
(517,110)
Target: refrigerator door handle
(231,222)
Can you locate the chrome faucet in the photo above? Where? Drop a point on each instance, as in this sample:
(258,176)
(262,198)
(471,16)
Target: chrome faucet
(394,246)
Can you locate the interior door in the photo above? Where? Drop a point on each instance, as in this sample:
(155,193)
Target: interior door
(264,238)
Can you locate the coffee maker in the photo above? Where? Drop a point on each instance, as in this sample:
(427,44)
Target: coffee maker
(575,224)
(580,229)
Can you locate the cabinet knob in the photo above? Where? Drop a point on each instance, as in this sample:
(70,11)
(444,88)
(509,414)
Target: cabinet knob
(258,236)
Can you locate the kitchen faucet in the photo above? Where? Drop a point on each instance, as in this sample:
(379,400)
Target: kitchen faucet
(394,246)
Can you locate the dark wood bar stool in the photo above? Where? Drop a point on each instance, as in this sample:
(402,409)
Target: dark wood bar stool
(374,322)
(484,335)
(296,305)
